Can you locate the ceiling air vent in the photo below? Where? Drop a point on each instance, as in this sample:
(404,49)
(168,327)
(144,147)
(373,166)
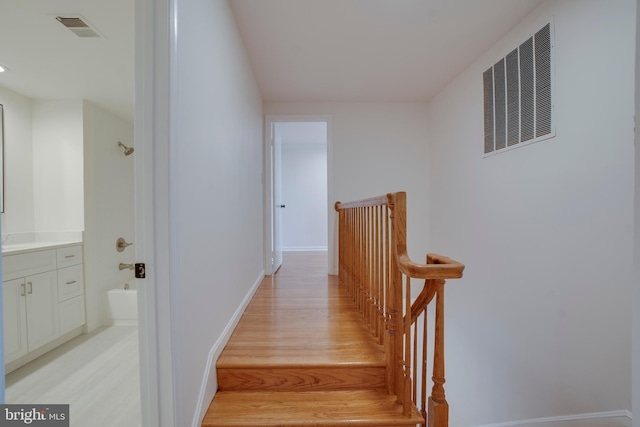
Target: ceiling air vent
(78,26)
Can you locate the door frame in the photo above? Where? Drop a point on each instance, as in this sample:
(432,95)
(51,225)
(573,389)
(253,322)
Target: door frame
(268,176)
(155,45)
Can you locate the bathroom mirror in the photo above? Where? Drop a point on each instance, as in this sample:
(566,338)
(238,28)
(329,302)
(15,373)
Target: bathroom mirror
(1,158)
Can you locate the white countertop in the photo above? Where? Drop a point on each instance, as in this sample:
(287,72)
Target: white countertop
(18,248)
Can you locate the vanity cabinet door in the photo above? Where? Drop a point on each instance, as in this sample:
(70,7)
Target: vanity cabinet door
(42,309)
(15,319)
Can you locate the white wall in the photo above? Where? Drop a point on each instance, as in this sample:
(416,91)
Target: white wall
(216,205)
(108,206)
(18,216)
(304,193)
(43,165)
(540,325)
(377,148)
(57,165)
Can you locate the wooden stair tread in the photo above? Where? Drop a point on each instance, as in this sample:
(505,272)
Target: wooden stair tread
(313,408)
(295,378)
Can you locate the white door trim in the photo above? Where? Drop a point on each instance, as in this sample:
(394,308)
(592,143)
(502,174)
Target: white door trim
(268,218)
(154,47)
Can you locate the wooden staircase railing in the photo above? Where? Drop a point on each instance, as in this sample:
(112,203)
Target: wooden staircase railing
(376,270)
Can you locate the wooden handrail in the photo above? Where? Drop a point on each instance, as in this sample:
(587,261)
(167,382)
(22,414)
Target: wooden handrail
(375,268)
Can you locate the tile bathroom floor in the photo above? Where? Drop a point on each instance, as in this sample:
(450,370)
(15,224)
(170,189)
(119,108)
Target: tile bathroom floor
(97,374)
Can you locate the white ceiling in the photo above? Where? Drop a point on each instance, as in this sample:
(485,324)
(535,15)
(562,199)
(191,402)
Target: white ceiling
(368,50)
(300,50)
(48,61)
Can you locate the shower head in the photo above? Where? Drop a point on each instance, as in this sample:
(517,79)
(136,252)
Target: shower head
(127,150)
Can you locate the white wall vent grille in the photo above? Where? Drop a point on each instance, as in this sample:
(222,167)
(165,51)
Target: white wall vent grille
(518,104)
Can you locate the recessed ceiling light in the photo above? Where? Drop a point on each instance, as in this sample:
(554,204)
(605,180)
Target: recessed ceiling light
(3,68)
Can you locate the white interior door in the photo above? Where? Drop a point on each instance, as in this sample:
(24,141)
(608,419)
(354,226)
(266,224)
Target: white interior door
(277,202)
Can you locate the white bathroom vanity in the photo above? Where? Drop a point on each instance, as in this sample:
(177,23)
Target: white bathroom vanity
(43,298)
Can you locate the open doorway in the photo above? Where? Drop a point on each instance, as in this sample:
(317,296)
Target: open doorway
(297,188)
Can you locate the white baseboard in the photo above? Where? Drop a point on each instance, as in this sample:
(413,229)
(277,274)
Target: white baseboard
(593,419)
(210,379)
(304,249)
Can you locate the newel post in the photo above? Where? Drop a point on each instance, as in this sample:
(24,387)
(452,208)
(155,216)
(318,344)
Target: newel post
(395,362)
(393,324)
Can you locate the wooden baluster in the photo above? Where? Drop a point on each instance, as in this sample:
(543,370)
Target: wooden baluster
(357,264)
(344,231)
(362,260)
(423,379)
(349,243)
(374,272)
(363,266)
(380,282)
(407,402)
(438,406)
(365,283)
(342,250)
(349,248)
(380,311)
(369,281)
(414,390)
(351,251)
(354,254)
(387,266)
(380,319)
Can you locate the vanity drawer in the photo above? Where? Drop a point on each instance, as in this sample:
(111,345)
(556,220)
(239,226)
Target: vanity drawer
(70,282)
(70,255)
(26,264)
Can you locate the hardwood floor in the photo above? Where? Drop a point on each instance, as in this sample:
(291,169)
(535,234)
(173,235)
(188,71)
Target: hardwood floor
(97,374)
(301,355)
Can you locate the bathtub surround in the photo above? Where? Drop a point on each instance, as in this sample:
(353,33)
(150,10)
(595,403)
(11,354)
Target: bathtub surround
(108,207)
